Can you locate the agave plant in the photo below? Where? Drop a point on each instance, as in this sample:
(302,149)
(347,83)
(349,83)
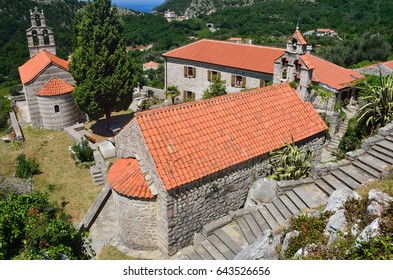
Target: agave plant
(290,163)
(378,103)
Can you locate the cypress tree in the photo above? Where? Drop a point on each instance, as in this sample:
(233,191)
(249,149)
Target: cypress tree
(100,65)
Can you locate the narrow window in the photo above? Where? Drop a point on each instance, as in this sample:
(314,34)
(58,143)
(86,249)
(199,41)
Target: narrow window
(45,34)
(188,96)
(57,109)
(35,38)
(238,81)
(284,74)
(211,75)
(189,72)
(38,20)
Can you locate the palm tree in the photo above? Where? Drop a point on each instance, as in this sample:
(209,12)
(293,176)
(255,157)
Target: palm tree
(378,103)
(172,92)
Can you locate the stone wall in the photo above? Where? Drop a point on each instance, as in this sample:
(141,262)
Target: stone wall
(67,115)
(174,75)
(137,220)
(185,210)
(32,87)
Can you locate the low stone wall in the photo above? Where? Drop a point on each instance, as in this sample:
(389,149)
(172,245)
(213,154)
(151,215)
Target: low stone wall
(156,92)
(137,220)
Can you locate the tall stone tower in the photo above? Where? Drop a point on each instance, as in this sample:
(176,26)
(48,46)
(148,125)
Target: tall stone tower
(39,36)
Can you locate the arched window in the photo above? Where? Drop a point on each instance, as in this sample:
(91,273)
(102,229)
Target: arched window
(36,41)
(57,109)
(294,44)
(284,74)
(38,20)
(45,33)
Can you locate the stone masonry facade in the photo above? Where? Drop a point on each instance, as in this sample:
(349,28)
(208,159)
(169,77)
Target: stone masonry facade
(175,75)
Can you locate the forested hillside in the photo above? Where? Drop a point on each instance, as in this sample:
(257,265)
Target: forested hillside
(15,19)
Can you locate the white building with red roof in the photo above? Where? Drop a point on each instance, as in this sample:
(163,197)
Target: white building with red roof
(183,166)
(242,66)
(47,82)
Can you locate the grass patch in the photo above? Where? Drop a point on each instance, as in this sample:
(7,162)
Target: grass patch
(72,186)
(111,253)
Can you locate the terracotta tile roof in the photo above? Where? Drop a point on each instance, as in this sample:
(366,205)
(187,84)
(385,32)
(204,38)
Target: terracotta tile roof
(37,63)
(329,73)
(55,86)
(299,36)
(126,178)
(241,56)
(151,64)
(192,140)
(389,64)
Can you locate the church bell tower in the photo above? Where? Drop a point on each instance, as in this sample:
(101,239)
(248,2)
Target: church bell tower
(39,36)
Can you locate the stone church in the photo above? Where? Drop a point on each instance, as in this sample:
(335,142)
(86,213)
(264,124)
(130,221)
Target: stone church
(47,82)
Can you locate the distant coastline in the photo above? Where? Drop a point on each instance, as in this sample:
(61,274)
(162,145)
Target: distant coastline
(140,6)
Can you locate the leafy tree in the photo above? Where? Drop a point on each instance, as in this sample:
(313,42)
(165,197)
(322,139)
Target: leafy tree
(31,227)
(217,87)
(290,163)
(172,92)
(378,103)
(100,65)
(5,109)
(83,152)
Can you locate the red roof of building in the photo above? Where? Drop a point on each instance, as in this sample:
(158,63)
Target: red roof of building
(55,86)
(241,56)
(151,64)
(38,63)
(329,73)
(389,64)
(299,36)
(126,178)
(192,140)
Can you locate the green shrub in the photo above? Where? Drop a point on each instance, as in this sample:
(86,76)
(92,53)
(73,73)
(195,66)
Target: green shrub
(83,152)
(26,168)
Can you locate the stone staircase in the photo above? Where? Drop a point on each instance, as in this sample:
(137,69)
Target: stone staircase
(96,175)
(223,239)
(335,141)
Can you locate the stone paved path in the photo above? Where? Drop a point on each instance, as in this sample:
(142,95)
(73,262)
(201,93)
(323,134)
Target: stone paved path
(227,241)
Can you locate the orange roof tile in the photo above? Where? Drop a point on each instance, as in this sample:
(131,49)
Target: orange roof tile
(299,36)
(126,178)
(151,64)
(192,140)
(389,64)
(37,63)
(55,86)
(241,56)
(329,73)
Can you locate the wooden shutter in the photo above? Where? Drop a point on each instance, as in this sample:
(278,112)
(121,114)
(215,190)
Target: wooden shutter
(185,71)
(243,82)
(233,78)
(262,83)
(194,72)
(219,75)
(184,95)
(193,96)
(209,75)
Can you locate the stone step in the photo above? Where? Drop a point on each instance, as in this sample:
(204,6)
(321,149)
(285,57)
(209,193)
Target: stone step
(212,250)
(260,220)
(228,241)
(268,218)
(296,200)
(253,225)
(203,253)
(233,230)
(311,195)
(389,138)
(347,180)
(380,156)
(275,213)
(250,237)
(334,182)
(221,247)
(326,188)
(356,173)
(289,204)
(282,208)
(194,256)
(367,169)
(386,144)
(373,162)
(383,150)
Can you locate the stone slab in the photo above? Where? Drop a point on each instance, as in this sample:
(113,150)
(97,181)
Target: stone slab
(383,150)
(365,168)
(380,156)
(282,208)
(260,221)
(311,195)
(253,225)
(247,232)
(324,187)
(107,149)
(296,200)
(275,213)
(228,241)
(269,218)
(203,253)
(356,173)
(289,204)
(224,250)
(351,183)
(194,256)
(373,162)
(212,250)
(334,182)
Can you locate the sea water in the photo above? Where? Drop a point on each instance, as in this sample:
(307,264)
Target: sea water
(138,5)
